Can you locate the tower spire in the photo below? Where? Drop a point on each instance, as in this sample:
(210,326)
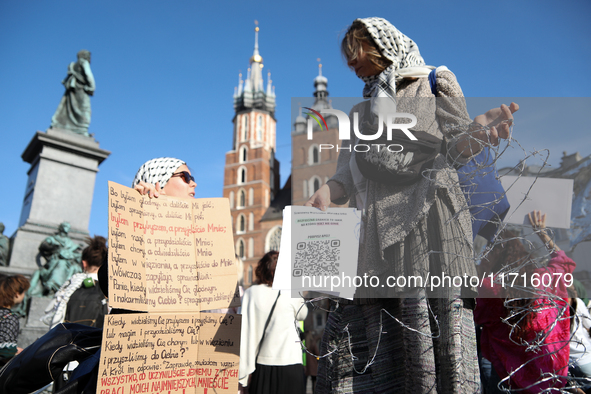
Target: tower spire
(256,39)
(321,93)
(254,94)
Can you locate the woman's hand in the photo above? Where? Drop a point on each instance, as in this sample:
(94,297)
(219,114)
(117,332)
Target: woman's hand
(537,219)
(498,123)
(147,188)
(320,199)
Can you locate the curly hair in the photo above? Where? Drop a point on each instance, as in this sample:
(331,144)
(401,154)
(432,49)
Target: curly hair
(358,40)
(10,287)
(265,270)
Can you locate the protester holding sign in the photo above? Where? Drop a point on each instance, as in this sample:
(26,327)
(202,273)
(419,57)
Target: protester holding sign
(165,175)
(525,325)
(411,227)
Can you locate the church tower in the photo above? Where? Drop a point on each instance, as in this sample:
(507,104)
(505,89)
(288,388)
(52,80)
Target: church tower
(312,167)
(251,173)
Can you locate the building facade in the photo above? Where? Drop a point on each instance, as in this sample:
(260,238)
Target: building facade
(311,165)
(251,173)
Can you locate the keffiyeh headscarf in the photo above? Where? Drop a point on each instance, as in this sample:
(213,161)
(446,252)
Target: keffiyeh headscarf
(157,170)
(407,62)
(403,52)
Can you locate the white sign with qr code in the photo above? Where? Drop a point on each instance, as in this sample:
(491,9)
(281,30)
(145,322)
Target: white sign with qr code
(316,247)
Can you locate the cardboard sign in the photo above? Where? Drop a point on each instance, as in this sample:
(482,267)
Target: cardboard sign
(170,257)
(170,254)
(170,353)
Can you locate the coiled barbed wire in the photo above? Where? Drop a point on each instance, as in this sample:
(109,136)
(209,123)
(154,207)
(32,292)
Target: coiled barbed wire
(551,300)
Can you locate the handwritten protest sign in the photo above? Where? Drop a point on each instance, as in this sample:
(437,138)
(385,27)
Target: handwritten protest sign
(172,258)
(170,253)
(170,353)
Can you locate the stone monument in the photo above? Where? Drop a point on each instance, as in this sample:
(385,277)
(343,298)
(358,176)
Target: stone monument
(63,260)
(73,111)
(4,246)
(64,162)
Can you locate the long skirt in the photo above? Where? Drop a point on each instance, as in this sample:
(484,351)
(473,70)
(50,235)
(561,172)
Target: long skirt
(419,344)
(273,379)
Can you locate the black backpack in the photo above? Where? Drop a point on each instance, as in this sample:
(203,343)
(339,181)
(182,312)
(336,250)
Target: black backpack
(87,306)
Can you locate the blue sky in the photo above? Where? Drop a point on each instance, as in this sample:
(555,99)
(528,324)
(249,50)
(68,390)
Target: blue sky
(166,72)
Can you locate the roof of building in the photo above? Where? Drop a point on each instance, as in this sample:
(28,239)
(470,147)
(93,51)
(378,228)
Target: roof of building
(281,200)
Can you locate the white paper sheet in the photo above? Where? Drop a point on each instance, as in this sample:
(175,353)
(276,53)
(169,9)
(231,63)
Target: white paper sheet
(318,250)
(552,196)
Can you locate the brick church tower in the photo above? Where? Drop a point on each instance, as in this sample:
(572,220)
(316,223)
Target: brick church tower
(251,173)
(311,167)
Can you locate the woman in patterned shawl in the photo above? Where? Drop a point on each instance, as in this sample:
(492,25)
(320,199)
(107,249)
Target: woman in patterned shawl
(12,292)
(396,340)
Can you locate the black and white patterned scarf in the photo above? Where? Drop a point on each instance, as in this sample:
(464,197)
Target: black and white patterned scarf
(157,170)
(403,52)
(407,62)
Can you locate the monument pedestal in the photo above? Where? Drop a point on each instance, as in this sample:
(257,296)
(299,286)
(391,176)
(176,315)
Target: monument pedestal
(59,189)
(32,327)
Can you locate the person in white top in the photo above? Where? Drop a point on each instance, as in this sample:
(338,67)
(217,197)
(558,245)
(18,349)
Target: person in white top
(580,341)
(270,350)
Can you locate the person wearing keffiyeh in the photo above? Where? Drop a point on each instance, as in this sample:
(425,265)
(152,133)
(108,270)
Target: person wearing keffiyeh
(165,175)
(12,292)
(406,339)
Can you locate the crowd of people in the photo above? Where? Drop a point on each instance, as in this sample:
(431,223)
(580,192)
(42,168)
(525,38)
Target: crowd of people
(463,339)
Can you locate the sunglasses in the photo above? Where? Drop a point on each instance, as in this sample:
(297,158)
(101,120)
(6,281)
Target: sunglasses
(185,175)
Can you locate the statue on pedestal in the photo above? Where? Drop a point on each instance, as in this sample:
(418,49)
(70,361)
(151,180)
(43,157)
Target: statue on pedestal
(73,111)
(63,261)
(4,247)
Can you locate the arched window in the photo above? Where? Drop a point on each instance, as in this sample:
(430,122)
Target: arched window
(273,239)
(313,155)
(243,154)
(316,185)
(250,196)
(241,224)
(240,248)
(241,175)
(231,200)
(245,128)
(250,221)
(242,199)
(249,275)
(260,128)
(250,247)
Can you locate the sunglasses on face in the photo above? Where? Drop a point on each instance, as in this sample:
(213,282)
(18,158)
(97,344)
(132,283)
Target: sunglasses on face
(185,175)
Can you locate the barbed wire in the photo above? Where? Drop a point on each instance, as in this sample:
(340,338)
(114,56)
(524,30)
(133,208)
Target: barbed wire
(534,300)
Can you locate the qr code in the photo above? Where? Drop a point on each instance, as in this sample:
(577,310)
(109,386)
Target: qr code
(317,258)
